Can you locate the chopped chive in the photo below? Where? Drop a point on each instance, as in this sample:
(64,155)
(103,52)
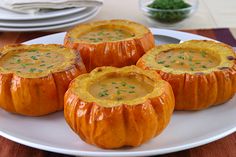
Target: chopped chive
(181,57)
(32,69)
(118,92)
(50,66)
(161,62)
(197,63)
(33,50)
(203,53)
(42,65)
(123,83)
(131,91)
(191,69)
(113,82)
(18,61)
(40,70)
(204,66)
(132,87)
(167,66)
(34,57)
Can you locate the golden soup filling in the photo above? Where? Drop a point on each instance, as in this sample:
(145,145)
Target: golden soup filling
(186,59)
(105,34)
(31,61)
(120,88)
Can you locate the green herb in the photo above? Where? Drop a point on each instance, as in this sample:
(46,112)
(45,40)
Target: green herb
(204,67)
(18,61)
(118,92)
(113,82)
(131,91)
(203,53)
(167,66)
(32,69)
(161,62)
(34,57)
(33,50)
(40,70)
(181,57)
(169,16)
(191,69)
(50,66)
(123,83)
(132,87)
(42,65)
(197,63)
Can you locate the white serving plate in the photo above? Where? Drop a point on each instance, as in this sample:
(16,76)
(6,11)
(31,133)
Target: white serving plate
(89,16)
(186,129)
(9,15)
(48,21)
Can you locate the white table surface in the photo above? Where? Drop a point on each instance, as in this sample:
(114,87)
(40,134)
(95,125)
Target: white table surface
(210,14)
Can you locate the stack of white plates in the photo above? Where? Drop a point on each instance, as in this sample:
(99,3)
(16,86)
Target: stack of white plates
(46,20)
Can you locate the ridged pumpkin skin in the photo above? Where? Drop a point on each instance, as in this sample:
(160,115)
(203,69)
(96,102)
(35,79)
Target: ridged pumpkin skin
(126,123)
(33,95)
(198,89)
(112,53)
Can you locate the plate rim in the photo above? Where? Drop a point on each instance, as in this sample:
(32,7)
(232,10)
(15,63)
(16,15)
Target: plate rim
(123,153)
(68,11)
(57,20)
(52,27)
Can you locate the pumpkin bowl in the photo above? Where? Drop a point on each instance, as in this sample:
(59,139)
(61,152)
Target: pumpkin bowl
(201,73)
(34,78)
(110,43)
(116,107)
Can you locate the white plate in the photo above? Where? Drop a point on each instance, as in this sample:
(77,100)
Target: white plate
(53,27)
(49,21)
(9,15)
(186,129)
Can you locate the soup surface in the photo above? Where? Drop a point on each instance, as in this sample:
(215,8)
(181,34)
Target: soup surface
(120,88)
(105,34)
(189,60)
(31,61)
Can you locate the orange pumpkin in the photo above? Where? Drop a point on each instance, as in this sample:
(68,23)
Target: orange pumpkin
(110,43)
(116,107)
(201,73)
(34,78)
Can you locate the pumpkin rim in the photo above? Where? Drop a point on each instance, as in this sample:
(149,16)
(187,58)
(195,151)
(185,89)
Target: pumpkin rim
(139,30)
(71,60)
(83,82)
(215,47)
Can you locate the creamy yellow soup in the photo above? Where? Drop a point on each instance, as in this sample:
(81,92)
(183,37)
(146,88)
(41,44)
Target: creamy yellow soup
(189,60)
(105,34)
(31,61)
(120,88)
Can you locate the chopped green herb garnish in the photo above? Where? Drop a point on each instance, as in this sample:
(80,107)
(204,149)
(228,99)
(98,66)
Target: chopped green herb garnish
(32,69)
(131,91)
(18,61)
(204,66)
(34,57)
(42,65)
(181,57)
(123,83)
(50,66)
(161,62)
(191,69)
(132,87)
(167,66)
(113,82)
(203,53)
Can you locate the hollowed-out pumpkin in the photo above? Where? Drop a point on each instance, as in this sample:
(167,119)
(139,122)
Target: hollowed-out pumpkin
(34,78)
(201,73)
(110,43)
(115,107)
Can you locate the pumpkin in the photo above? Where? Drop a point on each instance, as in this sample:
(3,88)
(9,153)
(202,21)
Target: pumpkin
(115,107)
(201,73)
(34,78)
(110,43)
